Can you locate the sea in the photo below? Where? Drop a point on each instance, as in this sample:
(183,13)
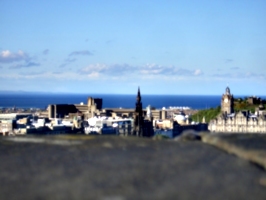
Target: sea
(39,100)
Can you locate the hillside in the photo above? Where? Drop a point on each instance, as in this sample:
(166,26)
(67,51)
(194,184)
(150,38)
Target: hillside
(243,104)
(209,114)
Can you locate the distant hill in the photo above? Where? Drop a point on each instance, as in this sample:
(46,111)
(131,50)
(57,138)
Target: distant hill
(209,114)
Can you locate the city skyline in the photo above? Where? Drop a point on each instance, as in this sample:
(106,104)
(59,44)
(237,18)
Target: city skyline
(165,47)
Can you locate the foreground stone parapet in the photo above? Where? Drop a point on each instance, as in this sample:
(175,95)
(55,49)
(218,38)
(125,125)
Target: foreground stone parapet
(251,147)
(121,168)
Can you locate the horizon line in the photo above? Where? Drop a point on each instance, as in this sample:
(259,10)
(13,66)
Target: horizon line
(83,93)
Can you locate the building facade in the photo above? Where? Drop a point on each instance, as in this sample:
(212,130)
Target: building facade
(240,122)
(92,108)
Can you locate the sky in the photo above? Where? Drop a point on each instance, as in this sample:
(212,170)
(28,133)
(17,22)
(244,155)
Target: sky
(163,47)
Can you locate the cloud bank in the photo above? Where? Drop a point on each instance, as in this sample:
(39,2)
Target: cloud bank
(149,69)
(7,56)
(28,64)
(241,75)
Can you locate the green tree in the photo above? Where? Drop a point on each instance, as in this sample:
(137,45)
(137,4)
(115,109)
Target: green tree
(209,114)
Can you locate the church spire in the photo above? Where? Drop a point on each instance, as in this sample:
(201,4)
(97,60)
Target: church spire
(138,116)
(138,96)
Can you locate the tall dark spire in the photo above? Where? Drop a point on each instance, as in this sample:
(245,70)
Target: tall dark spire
(138,103)
(138,96)
(138,117)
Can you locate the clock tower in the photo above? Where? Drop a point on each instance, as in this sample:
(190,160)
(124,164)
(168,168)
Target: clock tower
(227,103)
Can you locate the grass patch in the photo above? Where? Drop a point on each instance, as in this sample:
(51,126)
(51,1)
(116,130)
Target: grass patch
(209,114)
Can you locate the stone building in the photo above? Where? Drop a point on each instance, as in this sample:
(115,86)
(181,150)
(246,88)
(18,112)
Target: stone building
(88,110)
(253,100)
(240,122)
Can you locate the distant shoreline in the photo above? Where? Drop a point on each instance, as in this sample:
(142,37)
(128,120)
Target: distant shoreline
(41,101)
(4,92)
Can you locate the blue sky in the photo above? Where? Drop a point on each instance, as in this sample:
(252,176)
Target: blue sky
(165,47)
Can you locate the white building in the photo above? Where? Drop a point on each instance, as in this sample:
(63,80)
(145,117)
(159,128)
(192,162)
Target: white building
(108,125)
(240,122)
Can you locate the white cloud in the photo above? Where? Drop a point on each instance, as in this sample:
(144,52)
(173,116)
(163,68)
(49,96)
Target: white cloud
(108,70)
(146,70)
(154,69)
(197,72)
(239,76)
(93,75)
(93,68)
(111,72)
(7,56)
